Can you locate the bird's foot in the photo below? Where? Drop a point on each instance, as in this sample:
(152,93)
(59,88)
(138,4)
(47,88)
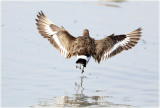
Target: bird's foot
(78,66)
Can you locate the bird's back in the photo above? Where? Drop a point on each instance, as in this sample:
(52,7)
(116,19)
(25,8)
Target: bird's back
(85,45)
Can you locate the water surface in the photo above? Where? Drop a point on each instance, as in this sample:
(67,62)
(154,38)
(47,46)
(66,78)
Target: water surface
(34,74)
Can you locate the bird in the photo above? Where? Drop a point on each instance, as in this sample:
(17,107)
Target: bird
(84,47)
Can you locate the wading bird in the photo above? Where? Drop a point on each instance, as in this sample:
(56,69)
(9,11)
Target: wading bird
(84,47)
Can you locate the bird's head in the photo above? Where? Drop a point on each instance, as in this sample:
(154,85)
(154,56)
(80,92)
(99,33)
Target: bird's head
(85,32)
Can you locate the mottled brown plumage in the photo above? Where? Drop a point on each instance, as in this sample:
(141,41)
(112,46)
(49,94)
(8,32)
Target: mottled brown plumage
(85,46)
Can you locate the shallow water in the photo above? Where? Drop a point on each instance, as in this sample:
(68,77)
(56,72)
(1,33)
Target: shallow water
(34,74)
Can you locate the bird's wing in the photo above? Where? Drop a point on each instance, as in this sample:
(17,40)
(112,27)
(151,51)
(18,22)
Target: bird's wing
(114,44)
(57,36)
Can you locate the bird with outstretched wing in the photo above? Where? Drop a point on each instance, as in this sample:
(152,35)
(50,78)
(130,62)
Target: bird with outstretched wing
(84,47)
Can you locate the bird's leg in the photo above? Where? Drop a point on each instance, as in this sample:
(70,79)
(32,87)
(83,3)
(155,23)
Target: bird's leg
(83,70)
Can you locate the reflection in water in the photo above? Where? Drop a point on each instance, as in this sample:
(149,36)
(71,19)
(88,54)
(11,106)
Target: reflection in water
(79,99)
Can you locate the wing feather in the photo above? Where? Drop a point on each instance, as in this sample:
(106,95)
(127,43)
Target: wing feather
(114,44)
(58,37)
